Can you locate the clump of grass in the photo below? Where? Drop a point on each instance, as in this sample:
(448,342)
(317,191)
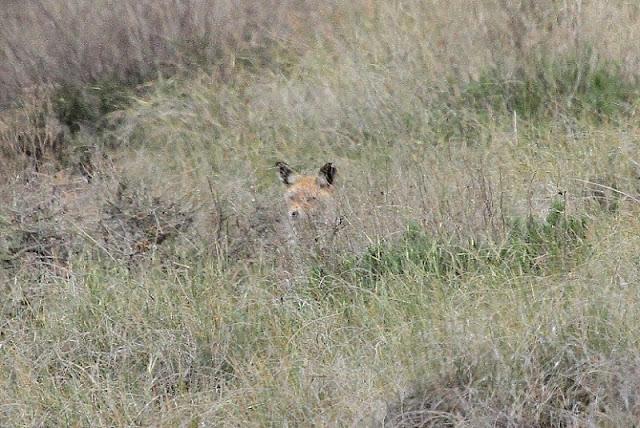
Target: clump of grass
(78,107)
(415,250)
(135,223)
(33,238)
(562,388)
(31,132)
(567,86)
(533,245)
(539,245)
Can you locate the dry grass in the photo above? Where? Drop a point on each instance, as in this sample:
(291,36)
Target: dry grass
(83,41)
(487,177)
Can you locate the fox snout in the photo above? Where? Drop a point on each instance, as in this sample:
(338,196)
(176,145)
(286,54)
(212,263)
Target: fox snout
(294,214)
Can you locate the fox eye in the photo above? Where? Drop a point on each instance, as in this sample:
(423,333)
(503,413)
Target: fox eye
(311,198)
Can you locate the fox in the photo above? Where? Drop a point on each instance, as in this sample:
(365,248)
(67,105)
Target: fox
(312,221)
(309,197)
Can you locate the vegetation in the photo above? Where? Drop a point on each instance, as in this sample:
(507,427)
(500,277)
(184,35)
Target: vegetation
(484,272)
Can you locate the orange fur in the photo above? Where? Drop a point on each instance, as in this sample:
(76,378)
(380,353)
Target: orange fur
(308,195)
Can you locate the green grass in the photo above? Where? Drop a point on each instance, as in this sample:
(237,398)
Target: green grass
(567,86)
(532,246)
(179,341)
(77,106)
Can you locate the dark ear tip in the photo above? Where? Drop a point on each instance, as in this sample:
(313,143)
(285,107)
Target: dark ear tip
(328,165)
(329,172)
(283,167)
(284,172)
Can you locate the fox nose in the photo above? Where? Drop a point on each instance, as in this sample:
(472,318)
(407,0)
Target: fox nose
(294,214)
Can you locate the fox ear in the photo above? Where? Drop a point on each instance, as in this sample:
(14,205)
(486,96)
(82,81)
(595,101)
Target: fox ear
(327,175)
(285,173)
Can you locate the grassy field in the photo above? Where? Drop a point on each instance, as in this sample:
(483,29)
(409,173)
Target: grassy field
(486,271)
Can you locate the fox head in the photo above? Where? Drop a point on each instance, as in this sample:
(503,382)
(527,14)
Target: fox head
(307,195)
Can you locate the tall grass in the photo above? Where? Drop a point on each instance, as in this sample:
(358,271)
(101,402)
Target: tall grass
(484,271)
(84,43)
